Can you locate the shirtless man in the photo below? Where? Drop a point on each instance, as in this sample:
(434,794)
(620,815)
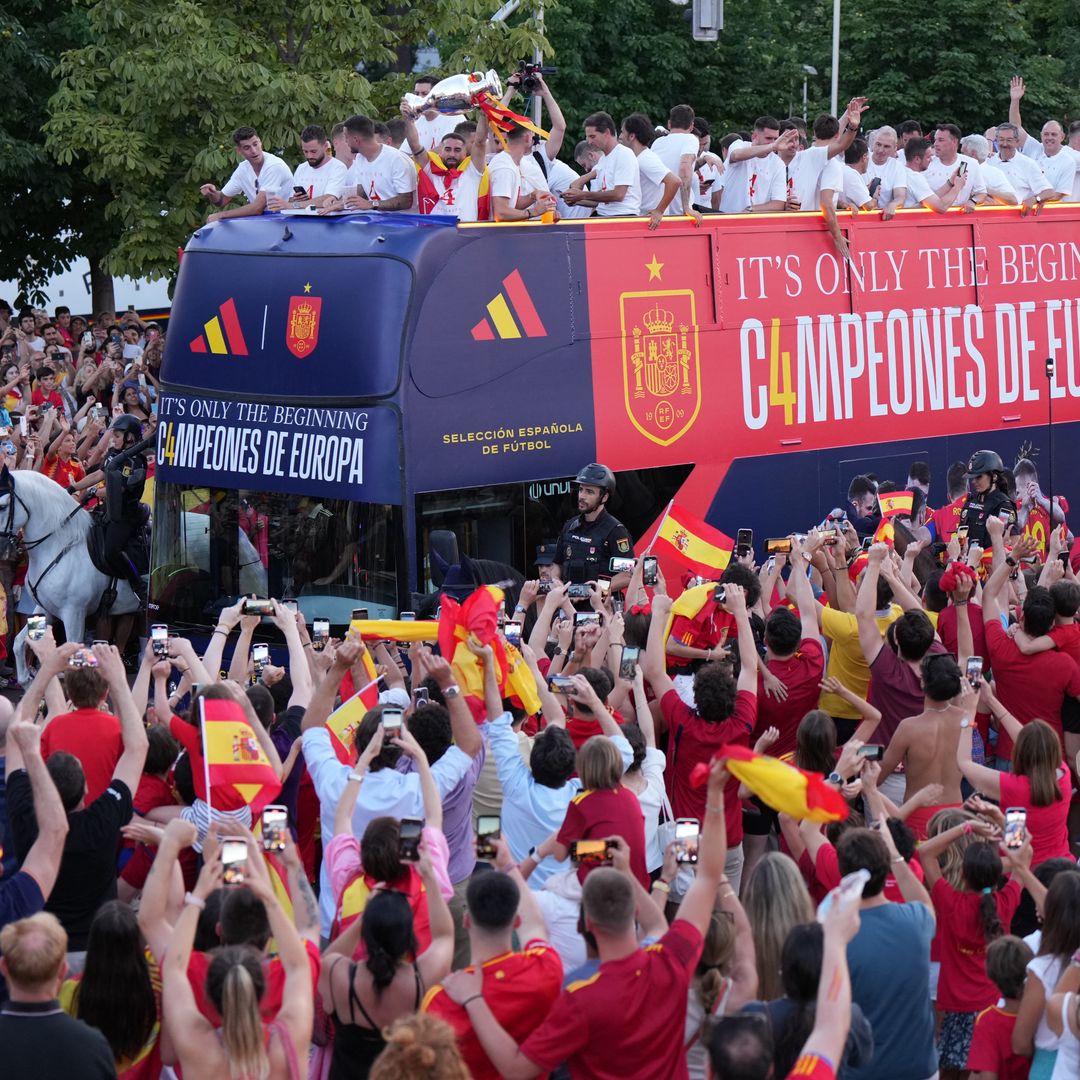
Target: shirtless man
(926,743)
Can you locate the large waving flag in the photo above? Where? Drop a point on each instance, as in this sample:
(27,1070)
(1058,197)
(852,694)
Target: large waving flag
(692,542)
(477,616)
(894,503)
(238,772)
(395,629)
(787,789)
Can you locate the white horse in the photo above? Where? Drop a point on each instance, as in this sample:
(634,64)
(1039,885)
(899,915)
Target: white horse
(63,582)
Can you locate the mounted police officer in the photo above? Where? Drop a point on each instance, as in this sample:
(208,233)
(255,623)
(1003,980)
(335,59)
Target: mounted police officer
(588,542)
(123,471)
(989,497)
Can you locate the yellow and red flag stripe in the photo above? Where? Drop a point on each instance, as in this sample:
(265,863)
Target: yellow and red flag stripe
(692,542)
(893,503)
(238,772)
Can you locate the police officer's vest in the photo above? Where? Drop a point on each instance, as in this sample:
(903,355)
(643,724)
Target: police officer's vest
(584,547)
(978,508)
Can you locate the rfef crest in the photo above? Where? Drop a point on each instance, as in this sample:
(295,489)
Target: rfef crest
(302,325)
(661,363)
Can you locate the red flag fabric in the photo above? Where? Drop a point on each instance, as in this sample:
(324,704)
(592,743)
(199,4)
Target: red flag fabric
(692,542)
(238,771)
(785,788)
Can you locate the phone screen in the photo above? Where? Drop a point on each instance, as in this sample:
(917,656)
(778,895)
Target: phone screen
(234,861)
(488,827)
(561,684)
(275,822)
(260,656)
(744,542)
(258,607)
(35,627)
(409,839)
(975,670)
(159,638)
(618,565)
(359,614)
(648,570)
(629,662)
(687,836)
(586,618)
(391,721)
(320,632)
(512,633)
(779,546)
(589,851)
(1015,827)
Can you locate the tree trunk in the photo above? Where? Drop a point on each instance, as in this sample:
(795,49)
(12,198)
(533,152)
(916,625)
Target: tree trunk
(102,296)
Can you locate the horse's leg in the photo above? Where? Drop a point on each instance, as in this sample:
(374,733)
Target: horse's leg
(74,619)
(22,673)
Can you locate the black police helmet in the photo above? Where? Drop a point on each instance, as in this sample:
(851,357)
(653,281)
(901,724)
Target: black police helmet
(597,475)
(984,461)
(128,424)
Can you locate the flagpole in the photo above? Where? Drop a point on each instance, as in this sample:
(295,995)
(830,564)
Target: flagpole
(656,534)
(206,756)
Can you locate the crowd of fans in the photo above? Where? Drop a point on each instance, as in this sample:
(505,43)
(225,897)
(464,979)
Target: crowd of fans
(433,163)
(65,383)
(458,885)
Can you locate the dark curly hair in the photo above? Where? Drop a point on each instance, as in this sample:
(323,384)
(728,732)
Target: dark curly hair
(714,693)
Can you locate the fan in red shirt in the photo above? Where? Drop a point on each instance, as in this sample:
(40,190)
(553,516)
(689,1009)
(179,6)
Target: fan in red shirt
(92,735)
(60,464)
(725,712)
(1034,509)
(518,986)
(991,1050)
(626,1022)
(1030,687)
(604,808)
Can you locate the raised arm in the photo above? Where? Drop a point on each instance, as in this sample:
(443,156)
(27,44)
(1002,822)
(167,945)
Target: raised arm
(153,905)
(697,906)
(130,766)
(434,962)
(299,672)
(322,701)
(735,604)
(652,660)
(433,809)
(42,861)
(869,636)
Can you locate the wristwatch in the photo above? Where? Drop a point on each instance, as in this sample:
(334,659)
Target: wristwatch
(532,854)
(1011,561)
(453,690)
(835,778)
(965,722)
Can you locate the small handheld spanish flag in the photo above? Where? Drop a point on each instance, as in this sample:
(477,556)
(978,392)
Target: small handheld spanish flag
(896,503)
(787,789)
(238,772)
(692,542)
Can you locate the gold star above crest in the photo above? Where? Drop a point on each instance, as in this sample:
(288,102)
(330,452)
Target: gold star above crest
(654,268)
(307,287)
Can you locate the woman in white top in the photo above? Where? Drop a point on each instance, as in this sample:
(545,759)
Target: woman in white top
(1063,1016)
(1032,1034)
(645,776)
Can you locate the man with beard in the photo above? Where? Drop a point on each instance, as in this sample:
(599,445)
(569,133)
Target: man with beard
(588,542)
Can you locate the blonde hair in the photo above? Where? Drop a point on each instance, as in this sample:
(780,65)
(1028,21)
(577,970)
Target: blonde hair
(776,899)
(951,859)
(599,764)
(419,1047)
(34,949)
(716,955)
(235,983)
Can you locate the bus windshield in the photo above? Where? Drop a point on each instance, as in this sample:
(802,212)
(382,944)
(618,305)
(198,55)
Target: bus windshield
(212,545)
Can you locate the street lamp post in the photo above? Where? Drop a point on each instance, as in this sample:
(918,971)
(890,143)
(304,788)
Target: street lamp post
(808,70)
(835,56)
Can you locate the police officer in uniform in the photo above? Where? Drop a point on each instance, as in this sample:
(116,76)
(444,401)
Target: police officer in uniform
(988,497)
(587,542)
(124,475)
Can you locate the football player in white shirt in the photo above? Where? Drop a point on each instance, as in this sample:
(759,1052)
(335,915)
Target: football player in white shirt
(617,171)
(318,178)
(659,186)
(381,177)
(1025,176)
(678,150)
(258,175)
(888,169)
(998,188)
(831,138)
(439,174)
(917,153)
(509,202)
(1059,163)
(431,125)
(947,161)
(855,196)
(754,177)
(340,143)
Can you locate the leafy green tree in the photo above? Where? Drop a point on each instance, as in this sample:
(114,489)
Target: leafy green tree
(151,101)
(52,211)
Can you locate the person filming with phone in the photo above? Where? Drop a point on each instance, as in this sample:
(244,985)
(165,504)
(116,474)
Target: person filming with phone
(588,541)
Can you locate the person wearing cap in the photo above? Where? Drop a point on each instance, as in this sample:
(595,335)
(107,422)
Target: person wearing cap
(546,570)
(589,541)
(988,497)
(124,476)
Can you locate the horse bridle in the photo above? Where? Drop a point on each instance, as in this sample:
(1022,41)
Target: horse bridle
(10,538)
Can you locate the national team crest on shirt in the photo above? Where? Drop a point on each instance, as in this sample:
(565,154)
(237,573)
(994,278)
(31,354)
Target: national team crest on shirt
(661,363)
(302,324)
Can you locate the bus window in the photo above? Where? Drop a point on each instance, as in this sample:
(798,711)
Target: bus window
(212,545)
(507,523)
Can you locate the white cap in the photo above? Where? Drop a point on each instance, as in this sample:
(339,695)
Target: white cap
(395,696)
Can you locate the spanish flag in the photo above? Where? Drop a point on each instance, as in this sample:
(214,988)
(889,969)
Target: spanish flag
(689,605)
(395,629)
(885,533)
(787,789)
(895,503)
(238,772)
(477,617)
(345,719)
(699,546)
